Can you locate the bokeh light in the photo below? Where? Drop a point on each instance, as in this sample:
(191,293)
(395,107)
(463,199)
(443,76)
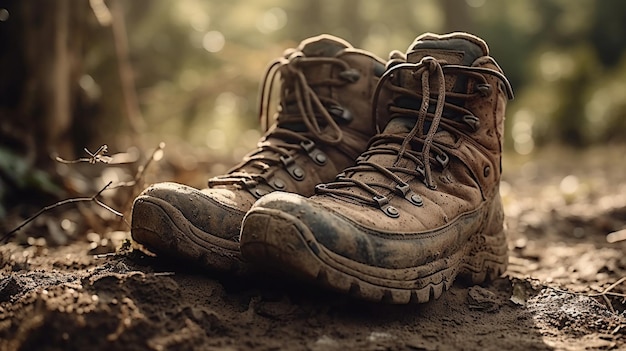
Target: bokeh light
(4,15)
(200,21)
(523,132)
(555,66)
(272,20)
(475,3)
(213,41)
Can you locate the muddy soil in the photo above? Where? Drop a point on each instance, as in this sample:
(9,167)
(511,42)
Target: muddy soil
(564,289)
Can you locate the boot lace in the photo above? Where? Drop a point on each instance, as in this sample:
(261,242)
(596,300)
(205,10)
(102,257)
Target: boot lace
(419,146)
(317,113)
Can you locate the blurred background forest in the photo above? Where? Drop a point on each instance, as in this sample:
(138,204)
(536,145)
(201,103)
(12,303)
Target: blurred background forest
(132,73)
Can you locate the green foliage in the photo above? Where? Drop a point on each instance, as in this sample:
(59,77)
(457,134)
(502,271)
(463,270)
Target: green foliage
(198,63)
(17,176)
(19,172)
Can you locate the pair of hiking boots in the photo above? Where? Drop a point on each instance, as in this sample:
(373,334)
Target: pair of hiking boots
(377,179)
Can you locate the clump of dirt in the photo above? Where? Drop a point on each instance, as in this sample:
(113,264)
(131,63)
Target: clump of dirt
(563,290)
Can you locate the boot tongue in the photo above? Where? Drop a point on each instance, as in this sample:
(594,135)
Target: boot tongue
(323,46)
(399,125)
(454,48)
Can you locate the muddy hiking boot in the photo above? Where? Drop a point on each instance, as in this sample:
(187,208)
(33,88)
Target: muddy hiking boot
(323,123)
(421,206)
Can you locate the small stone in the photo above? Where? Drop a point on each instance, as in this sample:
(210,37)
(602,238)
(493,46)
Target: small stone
(379,336)
(479,298)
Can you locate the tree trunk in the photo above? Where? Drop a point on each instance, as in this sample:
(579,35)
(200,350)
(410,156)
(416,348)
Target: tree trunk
(43,61)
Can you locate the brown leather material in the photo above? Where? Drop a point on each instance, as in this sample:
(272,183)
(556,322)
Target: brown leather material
(323,123)
(421,205)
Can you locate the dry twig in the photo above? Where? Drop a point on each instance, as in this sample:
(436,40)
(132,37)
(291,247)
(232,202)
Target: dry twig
(141,169)
(608,292)
(604,294)
(616,236)
(93,158)
(93,198)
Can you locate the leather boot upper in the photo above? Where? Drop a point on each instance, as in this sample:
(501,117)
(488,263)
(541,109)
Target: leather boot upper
(430,179)
(322,123)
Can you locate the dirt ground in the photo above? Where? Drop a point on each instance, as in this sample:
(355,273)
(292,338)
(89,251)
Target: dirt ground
(564,289)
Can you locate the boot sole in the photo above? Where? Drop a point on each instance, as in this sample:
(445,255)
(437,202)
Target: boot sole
(280,241)
(163,229)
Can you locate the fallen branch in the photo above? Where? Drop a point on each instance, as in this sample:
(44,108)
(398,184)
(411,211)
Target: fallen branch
(93,198)
(93,158)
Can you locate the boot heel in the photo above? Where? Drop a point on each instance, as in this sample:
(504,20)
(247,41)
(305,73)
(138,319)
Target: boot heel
(487,256)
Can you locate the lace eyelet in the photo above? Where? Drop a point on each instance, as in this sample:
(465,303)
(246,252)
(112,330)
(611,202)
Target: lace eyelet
(416,200)
(403,188)
(351,75)
(443,159)
(259,192)
(472,121)
(314,153)
(295,171)
(320,159)
(340,114)
(391,211)
(381,200)
(278,184)
(287,160)
(420,169)
(383,204)
(484,89)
